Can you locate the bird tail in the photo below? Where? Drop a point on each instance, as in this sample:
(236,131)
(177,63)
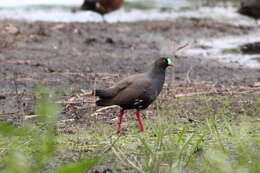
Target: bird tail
(104,94)
(103,102)
(99,93)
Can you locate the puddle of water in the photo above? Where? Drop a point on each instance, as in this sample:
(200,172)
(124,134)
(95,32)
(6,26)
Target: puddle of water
(224,49)
(145,3)
(25,3)
(227,50)
(60,10)
(64,14)
(133,10)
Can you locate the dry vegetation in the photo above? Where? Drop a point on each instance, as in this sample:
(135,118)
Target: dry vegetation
(191,128)
(194,126)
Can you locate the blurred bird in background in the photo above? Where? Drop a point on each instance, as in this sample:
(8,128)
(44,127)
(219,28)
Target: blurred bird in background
(250,8)
(100,6)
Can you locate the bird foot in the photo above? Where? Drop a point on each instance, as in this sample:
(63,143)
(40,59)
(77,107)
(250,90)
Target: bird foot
(121,132)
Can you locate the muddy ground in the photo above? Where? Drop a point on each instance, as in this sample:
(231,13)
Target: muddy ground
(74,56)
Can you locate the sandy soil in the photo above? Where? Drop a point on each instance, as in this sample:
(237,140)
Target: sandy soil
(73,56)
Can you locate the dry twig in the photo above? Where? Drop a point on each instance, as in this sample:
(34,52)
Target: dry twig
(102,109)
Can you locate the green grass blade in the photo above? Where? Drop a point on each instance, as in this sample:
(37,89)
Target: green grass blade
(81,166)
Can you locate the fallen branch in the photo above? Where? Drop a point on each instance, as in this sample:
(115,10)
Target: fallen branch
(67,120)
(86,93)
(73,102)
(102,109)
(30,117)
(181,47)
(8,115)
(216,92)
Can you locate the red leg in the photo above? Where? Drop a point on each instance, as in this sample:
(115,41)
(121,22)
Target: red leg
(120,119)
(139,120)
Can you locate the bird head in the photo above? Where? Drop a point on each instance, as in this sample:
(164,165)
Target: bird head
(163,62)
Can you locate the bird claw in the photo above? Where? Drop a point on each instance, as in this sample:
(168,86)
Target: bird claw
(121,131)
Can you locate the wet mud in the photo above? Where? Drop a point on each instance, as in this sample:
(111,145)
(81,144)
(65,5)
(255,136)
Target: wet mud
(68,57)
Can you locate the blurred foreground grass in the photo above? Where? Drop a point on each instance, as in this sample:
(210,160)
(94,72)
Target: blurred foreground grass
(189,134)
(32,147)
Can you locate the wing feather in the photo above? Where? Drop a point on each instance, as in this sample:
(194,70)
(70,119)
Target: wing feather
(130,93)
(115,89)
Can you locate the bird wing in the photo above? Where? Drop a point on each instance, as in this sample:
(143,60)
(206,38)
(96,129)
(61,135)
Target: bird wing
(131,92)
(115,89)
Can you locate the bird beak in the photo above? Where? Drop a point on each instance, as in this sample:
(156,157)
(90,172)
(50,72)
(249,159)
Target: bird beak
(170,63)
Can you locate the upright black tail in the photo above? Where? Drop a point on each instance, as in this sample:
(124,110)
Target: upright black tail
(104,94)
(103,102)
(105,97)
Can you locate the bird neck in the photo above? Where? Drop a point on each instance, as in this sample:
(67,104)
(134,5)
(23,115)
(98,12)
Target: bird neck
(157,75)
(157,72)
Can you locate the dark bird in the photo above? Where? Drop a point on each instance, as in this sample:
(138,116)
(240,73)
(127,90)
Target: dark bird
(250,8)
(250,48)
(137,91)
(100,6)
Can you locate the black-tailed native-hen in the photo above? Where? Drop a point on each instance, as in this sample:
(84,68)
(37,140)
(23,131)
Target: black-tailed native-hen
(136,91)
(101,6)
(250,8)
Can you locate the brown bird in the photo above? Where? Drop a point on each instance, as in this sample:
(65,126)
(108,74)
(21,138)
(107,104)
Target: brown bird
(250,8)
(101,6)
(137,91)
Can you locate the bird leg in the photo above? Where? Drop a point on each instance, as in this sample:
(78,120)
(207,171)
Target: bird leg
(139,120)
(120,119)
(103,18)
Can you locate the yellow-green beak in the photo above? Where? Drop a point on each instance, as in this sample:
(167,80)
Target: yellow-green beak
(169,61)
